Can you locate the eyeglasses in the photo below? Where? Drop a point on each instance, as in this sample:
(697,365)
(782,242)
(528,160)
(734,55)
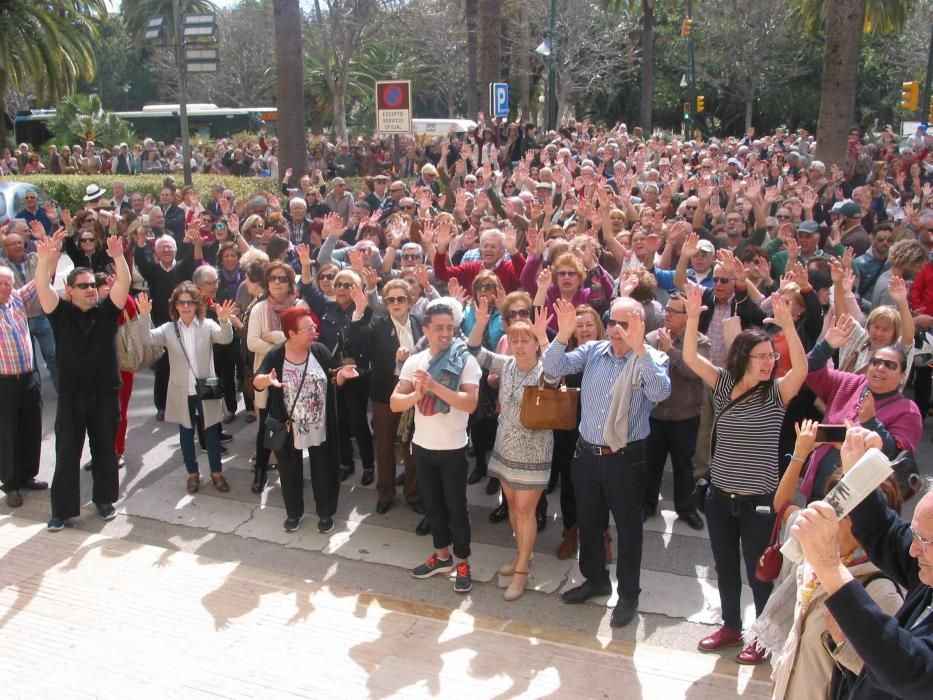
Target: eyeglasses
(766,356)
(84,239)
(671,310)
(567,273)
(326,278)
(612,323)
(310,327)
(411,256)
(689,208)
(185,302)
(883,239)
(343,285)
(395,300)
(881,362)
(922,541)
(84,285)
(723,280)
(519,313)
(486,287)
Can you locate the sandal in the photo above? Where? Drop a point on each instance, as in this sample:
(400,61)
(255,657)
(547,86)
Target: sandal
(514,592)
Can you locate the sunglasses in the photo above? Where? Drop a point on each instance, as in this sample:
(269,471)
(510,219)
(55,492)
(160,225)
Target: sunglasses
(881,362)
(84,285)
(278,278)
(883,239)
(612,323)
(519,313)
(326,278)
(220,227)
(343,285)
(567,273)
(411,256)
(185,302)
(84,239)
(723,280)
(486,287)
(395,300)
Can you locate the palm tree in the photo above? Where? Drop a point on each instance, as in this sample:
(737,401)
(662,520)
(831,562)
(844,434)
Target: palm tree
(289,91)
(47,47)
(647,10)
(844,22)
(82,118)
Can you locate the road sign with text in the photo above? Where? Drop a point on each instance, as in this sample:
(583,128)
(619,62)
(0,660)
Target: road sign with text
(393,106)
(499,100)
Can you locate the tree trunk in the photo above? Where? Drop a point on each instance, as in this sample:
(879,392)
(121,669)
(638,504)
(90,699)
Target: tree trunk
(489,46)
(749,111)
(289,87)
(339,94)
(471,15)
(647,65)
(845,20)
(521,56)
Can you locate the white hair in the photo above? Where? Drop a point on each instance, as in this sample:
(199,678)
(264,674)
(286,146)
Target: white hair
(297,202)
(492,233)
(628,304)
(166,240)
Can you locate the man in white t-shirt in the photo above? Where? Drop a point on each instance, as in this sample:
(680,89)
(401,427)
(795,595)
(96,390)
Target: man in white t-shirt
(442,383)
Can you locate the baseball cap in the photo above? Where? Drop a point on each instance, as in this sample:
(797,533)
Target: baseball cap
(706,246)
(850,210)
(808,227)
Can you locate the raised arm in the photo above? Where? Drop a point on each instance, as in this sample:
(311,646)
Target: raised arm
(47,252)
(689,249)
(121,287)
(787,489)
(791,382)
(701,366)
(898,291)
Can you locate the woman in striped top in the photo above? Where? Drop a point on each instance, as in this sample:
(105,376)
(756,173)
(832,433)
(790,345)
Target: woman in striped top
(749,405)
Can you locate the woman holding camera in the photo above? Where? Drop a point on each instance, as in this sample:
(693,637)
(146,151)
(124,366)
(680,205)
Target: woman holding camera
(188,339)
(748,408)
(297,375)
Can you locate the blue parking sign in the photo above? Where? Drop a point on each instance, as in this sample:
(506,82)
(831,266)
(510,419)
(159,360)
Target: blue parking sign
(499,99)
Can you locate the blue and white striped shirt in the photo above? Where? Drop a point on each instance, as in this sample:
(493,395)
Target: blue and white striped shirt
(601,368)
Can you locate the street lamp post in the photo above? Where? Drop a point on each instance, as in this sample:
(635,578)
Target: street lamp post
(691,86)
(182,90)
(552,70)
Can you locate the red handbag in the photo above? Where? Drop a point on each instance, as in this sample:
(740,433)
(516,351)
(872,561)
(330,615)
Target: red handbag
(771,560)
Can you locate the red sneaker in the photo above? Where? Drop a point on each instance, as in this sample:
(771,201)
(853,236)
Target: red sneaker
(722,638)
(752,655)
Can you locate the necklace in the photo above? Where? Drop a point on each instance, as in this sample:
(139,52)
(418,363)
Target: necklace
(519,384)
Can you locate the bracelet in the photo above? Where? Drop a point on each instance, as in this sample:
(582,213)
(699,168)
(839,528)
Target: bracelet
(798,458)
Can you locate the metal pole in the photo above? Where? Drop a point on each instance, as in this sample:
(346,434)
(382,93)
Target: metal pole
(691,88)
(182,89)
(925,103)
(552,70)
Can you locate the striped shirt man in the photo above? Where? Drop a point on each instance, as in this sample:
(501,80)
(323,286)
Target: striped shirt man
(601,368)
(15,342)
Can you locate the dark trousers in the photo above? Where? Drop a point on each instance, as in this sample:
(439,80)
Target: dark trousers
(262,452)
(922,377)
(160,389)
(225,368)
(736,526)
(20,430)
(324,481)
(613,483)
(679,439)
(95,415)
(565,444)
(442,477)
(352,399)
(385,428)
(483,436)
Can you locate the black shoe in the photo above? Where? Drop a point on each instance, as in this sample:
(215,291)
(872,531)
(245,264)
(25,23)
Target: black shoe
(345,471)
(645,514)
(160,416)
(492,486)
(423,528)
(623,613)
(418,508)
(400,479)
(541,519)
(223,449)
(382,507)
(584,592)
(226,437)
(291,524)
(475,476)
(693,520)
(500,513)
(368,476)
(325,525)
(259,481)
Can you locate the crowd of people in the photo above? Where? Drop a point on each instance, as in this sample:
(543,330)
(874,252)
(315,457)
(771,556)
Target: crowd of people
(711,301)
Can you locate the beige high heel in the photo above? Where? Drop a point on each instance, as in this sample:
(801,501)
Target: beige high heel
(508,569)
(515,591)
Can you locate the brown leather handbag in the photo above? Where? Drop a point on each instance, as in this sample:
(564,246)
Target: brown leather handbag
(771,560)
(549,408)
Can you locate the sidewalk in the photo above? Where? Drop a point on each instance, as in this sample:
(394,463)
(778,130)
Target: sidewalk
(84,615)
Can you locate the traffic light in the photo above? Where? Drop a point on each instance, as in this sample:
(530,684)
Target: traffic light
(686,28)
(910,96)
(686,111)
(930,113)
(701,104)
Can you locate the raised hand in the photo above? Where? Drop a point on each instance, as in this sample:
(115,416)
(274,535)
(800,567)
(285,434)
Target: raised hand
(566,319)
(37,230)
(456,290)
(46,249)
(422,277)
(632,330)
(866,407)
(540,325)
(898,289)
(359,298)
(544,277)
(370,277)
(304,255)
(806,437)
(858,441)
(694,300)
(114,247)
(144,303)
(840,332)
(226,310)
(481,312)
(665,342)
(691,245)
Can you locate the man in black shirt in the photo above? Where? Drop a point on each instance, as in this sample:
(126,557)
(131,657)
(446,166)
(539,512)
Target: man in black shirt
(89,378)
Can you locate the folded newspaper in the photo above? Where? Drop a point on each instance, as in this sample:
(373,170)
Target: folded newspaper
(867,474)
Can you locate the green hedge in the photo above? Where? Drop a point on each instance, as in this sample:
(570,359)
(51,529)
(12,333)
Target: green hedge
(69,190)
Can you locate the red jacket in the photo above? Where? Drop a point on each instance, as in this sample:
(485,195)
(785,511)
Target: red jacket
(921,291)
(508,272)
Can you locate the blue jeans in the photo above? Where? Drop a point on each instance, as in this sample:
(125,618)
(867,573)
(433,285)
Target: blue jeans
(211,436)
(41,331)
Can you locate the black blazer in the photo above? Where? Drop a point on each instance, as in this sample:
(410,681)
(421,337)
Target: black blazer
(275,359)
(377,334)
(741,305)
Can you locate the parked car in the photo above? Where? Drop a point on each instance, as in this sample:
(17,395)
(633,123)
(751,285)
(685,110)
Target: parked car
(11,198)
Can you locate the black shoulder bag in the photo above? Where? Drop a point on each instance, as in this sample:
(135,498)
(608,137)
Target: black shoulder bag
(276,431)
(207,389)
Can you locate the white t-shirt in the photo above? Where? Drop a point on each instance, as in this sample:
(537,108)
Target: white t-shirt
(441,431)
